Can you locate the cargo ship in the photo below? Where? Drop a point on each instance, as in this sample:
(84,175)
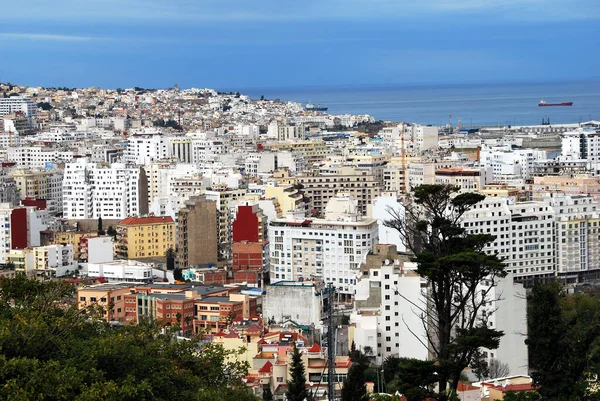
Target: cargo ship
(315,107)
(544,103)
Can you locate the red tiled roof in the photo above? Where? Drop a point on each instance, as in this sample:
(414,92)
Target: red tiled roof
(261,341)
(253,329)
(466,387)
(315,348)
(266,367)
(232,334)
(220,334)
(134,221)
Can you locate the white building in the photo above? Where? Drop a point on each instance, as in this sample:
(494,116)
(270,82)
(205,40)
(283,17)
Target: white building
(54,259)
(115,192)
(330,248)
(508,163)
(300,302)
(382,209)
(121,270)
(18,104)
(100,249)
(507,311)
(580,144)
(577,236)
(385,316)
(524,234)
(146,148)
(38,156)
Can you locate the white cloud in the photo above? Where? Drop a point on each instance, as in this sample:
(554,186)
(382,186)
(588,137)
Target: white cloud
(45,37)
(307,10)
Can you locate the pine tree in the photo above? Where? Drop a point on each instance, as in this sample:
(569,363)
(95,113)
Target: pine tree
(354,387)
(267,394)
(297,385)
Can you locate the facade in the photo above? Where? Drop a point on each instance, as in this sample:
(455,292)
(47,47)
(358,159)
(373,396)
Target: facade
(322,187)
(330,249)
(91,191)
(507,311)
(144,149)
(40,184)
(18,104)
(384,314)
(222,195)
(197,233)
(121,271)
(300,302)
(145,237)
(524,235)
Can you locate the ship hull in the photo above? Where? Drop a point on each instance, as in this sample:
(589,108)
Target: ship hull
(555,104)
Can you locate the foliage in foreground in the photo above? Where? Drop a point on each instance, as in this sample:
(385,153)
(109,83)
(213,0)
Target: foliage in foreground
(564,342)
(51,350)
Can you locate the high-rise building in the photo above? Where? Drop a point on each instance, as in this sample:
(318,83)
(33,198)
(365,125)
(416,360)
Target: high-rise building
(91,191)
(388,323)
(364,187)
(330,249)
(250,248)
(197,233)
(15,104)
(143,149)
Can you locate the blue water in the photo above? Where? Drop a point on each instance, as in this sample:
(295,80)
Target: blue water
(474,104)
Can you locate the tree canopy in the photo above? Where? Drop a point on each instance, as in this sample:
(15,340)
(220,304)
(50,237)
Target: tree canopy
(564,342)
(454,264)
(297,390)
(50,350)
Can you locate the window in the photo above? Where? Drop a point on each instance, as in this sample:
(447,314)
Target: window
(92,299)
(82,299)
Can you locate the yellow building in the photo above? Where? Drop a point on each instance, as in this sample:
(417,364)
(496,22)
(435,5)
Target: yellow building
(66,238)
(145,237)
(287,196)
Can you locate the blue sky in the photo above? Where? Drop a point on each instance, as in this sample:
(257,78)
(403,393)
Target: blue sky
(279,43)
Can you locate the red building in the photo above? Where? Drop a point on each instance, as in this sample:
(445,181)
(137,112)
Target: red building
(18,228)
(250,251)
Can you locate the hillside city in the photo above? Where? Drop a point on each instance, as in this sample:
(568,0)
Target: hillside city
(260,224)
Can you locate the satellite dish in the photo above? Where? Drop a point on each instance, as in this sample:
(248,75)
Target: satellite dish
(387,262)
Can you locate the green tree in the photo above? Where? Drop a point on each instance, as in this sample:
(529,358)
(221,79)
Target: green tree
(354,387)
(454,263)
(297,384)
(415,379)
(178,274)
(100,228)
(170,256)
(563,341)
(267,393)
(50,350)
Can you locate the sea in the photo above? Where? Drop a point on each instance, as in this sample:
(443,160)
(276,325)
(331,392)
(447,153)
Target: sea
(475,105)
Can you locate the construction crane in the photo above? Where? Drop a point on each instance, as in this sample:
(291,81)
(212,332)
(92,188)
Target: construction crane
(403,157)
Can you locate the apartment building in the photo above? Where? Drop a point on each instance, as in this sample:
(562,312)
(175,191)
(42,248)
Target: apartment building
(18,104)
(144,149)
(145,237)
(38,157)
(382,319)
(319,188)
(508,163)
(330,248)
(287,196)
(583,143)
(91,191)
(524,235)
(197,241)
(291,132)
(40,184)
(577,236)
(222,195)
(311,151)
(468,180)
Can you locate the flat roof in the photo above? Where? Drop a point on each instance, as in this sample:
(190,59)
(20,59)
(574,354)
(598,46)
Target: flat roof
(216,299)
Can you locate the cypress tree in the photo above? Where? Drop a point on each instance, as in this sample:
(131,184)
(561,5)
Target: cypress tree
(297,385)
